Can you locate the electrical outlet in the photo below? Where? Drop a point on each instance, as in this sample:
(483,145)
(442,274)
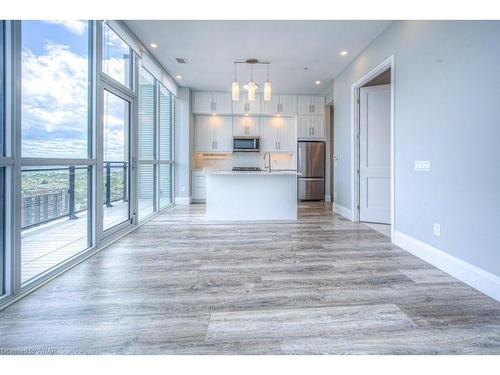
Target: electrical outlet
(422,165)
(437,229)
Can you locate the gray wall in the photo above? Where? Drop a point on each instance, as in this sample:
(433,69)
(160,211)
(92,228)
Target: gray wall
(447,110)
(183,144)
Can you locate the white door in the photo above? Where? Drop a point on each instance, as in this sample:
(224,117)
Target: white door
(246,126)
(304,127)
(203,102)
(317,127)
(287,137)
(288,105)
(317,105)
(269,134)
(304,103)
(223,133)
(375,154)
(204,133)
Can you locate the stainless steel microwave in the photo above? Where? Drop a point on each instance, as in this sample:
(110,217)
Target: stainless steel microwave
(246,144)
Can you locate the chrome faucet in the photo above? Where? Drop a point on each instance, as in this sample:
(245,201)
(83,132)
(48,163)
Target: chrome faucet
(269,162)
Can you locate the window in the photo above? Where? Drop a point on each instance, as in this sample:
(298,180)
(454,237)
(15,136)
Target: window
(53,216)
(116,57)
(166,120)
(55,89)
(155,145)
(147,140)
(55,126)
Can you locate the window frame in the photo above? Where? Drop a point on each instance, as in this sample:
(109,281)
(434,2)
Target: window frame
(12,160)
(133,63)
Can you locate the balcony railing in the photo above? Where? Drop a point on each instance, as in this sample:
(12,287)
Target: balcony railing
(45,202)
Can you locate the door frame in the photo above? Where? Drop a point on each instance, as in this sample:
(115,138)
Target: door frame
(355,149)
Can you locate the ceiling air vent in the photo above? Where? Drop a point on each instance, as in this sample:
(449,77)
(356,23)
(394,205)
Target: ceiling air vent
(181,60)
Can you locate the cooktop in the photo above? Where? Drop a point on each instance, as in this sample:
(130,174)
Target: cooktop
(246,169)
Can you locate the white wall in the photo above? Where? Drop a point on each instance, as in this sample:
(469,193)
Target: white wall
(447,95)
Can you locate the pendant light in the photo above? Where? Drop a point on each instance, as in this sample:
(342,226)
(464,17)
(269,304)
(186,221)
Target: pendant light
(251,86)
(267,87)
(235,90)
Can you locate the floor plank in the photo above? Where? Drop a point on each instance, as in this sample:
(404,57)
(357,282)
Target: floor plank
(321,285)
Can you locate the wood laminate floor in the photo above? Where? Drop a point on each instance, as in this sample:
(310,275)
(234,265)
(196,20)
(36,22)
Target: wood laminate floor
(321,285)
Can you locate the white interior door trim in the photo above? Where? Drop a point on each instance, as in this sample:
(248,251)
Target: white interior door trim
(384,65)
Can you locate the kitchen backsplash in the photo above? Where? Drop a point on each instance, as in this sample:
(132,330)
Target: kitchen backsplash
(243,159)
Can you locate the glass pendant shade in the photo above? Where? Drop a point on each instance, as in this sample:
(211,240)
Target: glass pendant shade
(251,91)
(236,91)
(267,91)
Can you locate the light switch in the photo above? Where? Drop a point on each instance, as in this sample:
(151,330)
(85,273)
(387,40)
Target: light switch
(437,229)
(422,165)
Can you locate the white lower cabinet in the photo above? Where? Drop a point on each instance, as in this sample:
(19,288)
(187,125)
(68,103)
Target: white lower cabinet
(311,127)
(198,185)
(278,134)
(213,134)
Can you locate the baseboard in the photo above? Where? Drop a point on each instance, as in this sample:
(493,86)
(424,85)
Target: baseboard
(479,279)
(183,200)
(343,211)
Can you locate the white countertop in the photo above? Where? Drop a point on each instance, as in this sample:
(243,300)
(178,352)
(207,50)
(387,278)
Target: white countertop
(253,173)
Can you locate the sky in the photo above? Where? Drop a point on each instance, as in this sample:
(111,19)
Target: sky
(55,83)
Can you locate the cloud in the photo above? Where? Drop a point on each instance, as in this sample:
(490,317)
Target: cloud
(75,26)
(55,87)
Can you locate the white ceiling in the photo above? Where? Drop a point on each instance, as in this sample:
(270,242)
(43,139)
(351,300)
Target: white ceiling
(210,48)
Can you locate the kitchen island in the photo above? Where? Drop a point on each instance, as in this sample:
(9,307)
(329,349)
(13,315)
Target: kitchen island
(262,195)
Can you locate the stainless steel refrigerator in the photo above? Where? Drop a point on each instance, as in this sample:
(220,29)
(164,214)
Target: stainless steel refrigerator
(311,166)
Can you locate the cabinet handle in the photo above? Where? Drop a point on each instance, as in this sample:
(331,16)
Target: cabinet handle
(216,145)
(312,131)
(313,108)
(279,145)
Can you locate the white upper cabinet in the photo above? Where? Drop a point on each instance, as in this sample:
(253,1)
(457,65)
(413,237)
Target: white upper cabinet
(213,134)
(245,107)
(311,127)
(288,105)
(222,102)
(284,105)
(246,126)
(211,102)
(278,134)
(271,108)
(311,105)
(203,102)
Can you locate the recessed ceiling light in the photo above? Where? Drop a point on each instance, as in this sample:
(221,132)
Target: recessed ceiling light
(317,82)
(306,68)
(153,45)
(178,77)
(343,53)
